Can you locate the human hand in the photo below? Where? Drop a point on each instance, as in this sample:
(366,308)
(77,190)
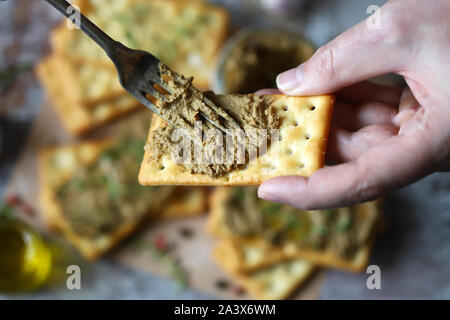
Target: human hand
(381,138)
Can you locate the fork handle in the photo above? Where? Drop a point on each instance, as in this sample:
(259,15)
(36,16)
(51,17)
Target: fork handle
(87,26)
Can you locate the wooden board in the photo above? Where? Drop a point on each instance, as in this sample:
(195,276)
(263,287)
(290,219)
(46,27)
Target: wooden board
(194,252)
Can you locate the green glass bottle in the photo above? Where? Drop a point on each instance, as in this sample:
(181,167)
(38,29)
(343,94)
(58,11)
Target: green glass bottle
(25,258)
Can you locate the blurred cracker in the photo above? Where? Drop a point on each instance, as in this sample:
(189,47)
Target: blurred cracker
(57,165)
(275,281)
(185,202)
(252,256)
(79,118)
(248,254)
(244,255)
(304,127)
(86,84)
(53,173)
(185,35)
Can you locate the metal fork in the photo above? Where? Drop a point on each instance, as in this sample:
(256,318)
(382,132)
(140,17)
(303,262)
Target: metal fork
(139,71)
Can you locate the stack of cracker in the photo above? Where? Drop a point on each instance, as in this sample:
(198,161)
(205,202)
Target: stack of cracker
(82,82)
(60,167)
(274,249)
(83,88)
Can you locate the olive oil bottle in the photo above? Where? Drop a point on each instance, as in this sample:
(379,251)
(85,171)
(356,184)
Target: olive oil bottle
(25,258)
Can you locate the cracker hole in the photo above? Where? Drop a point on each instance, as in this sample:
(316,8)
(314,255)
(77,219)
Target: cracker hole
(296,124)
(162,168)
(307,136)
(312,108)
(301,165)
(285,108)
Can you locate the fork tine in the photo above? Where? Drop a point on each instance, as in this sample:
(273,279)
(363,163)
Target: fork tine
(215,124)
(163,84)
(228,120)
(146,102)
(151,106)
(155,93)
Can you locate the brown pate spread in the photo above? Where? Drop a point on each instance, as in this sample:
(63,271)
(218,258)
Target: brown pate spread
(341,231)
(105,194)
(184,108)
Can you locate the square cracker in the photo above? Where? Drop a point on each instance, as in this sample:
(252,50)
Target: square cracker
(275,282)
(185,35)
(304,127)
(248,254)
(86,84)
(185,202)
(79,117)
(56,166)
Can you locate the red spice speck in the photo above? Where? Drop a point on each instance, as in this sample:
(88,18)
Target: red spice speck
(239,291)
(27,209)
(161,242)
(12,200)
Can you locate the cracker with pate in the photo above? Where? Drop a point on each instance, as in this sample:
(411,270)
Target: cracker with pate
(186,35)
(275,282)
(78,116)
(302,125)
(100,177)
(59,164)
(185,202)
(255,233)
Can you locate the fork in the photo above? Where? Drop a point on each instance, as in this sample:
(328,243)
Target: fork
(139,71)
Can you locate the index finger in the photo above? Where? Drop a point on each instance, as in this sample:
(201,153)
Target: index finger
(357,54)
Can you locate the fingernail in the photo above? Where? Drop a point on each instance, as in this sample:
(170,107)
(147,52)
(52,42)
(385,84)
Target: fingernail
(291,79)
(403,117)
(266,192)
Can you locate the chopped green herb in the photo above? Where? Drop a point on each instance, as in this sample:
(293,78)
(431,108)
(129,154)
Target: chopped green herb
(238,194)
(185,32)
(320,230)
(343,224)
(122,17)
(271,208)
(131,41)
(140,10)
(6,212)
(10,74)
(202,19)
(292,221)
(176,270)
(78,184)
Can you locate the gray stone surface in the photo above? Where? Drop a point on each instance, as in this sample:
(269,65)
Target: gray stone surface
(108,280)
(413,254)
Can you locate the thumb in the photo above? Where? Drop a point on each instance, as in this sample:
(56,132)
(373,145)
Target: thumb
(356,55)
